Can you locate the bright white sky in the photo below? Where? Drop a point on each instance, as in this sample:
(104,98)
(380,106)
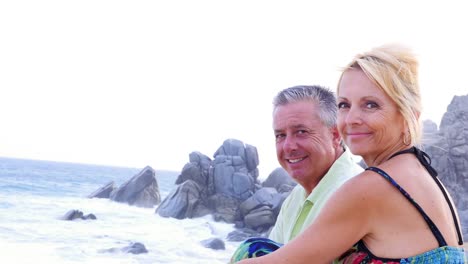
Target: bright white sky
(136,83)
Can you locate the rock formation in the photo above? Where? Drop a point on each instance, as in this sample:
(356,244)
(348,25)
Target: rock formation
(448,149)
(227,187)
(133,248)
(77,214)
(141,190)
(104,192)
(214,243)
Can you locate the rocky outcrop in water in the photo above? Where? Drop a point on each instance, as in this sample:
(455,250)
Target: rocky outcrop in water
(104,192)
(141,190)
(77,214)
(214,243)
(133,248)
(448,149)
(228,188)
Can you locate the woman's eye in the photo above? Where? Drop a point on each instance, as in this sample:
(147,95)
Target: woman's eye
(371,105)
(342,105)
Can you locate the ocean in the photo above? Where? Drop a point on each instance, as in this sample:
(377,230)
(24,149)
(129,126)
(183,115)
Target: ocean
(34,195)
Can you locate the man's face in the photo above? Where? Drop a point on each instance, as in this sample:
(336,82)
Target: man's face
(305,147)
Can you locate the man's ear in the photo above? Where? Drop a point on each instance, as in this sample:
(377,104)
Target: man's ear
(336,137)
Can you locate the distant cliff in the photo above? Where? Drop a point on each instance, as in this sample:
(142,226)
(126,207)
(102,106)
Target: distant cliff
(448,149)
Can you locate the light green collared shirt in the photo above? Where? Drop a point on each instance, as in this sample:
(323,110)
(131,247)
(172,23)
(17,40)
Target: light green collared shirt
(299,211)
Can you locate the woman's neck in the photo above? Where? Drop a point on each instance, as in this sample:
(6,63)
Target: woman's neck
(379,158)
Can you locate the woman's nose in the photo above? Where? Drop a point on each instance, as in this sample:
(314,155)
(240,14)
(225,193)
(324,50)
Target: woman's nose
(353,116)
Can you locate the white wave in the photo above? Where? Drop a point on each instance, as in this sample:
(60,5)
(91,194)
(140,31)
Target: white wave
(31,231)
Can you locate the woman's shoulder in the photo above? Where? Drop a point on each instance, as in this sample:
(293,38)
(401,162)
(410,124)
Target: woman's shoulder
(368,182)
(367,188)
(399,171)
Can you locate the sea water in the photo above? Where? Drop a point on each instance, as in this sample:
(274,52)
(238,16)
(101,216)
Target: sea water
(34,195)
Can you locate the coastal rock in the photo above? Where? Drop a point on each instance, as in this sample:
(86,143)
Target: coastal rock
(280,180)
(263,197)
(183,202)
(260,218)
(448,149)
(77,214)
(429,127)
(235,169)
(217,186)
(228,188)
(242,234)
(196,170)
(133,248)
(225,208)
(214,243)
(141,190)
(103,192)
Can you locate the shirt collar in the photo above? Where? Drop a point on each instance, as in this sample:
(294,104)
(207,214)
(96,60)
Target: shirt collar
(335,174)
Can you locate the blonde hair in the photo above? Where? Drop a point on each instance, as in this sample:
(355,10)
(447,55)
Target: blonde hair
(394,69)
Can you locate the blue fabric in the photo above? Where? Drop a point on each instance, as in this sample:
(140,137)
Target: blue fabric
(254,247)
(448,255)
(359,254)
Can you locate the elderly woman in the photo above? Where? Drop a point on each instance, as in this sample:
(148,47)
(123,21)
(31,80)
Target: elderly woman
(397,210)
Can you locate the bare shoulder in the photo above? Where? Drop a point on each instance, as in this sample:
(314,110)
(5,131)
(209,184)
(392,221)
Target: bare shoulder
(366,184)
(363,194)
(351,212)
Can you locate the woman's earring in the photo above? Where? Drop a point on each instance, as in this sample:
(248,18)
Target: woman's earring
(407,142)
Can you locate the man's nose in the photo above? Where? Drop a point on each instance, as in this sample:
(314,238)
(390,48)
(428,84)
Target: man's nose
(290,143)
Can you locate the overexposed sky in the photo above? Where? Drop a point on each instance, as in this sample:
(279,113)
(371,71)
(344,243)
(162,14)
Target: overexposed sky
(136,83)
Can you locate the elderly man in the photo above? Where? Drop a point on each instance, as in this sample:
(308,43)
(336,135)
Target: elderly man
(310,149)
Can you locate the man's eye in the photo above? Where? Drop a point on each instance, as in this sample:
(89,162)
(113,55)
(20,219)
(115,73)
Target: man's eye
(279,136)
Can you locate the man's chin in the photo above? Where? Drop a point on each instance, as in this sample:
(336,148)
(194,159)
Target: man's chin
(298,176)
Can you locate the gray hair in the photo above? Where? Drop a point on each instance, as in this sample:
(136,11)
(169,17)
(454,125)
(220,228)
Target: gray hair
(323,96)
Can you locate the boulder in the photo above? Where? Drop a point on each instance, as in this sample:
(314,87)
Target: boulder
(183,202)
(215,186)
(278,178)
(213,243)
(104,192)
(260,219)
(242,234)
(77,214)
(448,149)
(133,248)
(141,190)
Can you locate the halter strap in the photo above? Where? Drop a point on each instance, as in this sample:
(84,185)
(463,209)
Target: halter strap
(425,160)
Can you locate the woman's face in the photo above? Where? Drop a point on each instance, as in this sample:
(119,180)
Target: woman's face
(368,119)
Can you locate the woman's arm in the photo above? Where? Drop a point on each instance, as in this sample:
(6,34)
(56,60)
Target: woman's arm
(343,221)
